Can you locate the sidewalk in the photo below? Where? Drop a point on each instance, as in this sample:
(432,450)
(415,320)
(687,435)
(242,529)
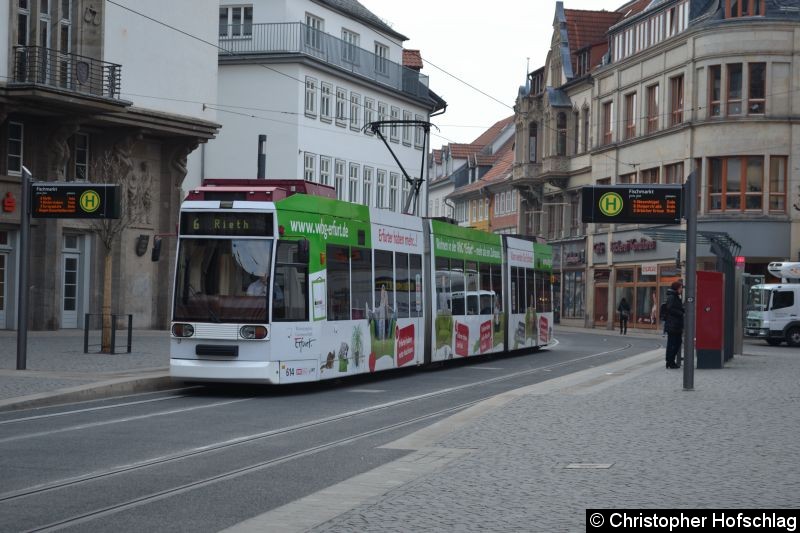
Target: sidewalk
(58,371)
(623,435)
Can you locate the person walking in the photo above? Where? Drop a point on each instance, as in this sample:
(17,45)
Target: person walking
(624,310)
(673,324)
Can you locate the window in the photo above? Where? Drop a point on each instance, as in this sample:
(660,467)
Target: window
(576,120)
(532,138)
(735,89)
(338,178)
(652,109)
(291,277)
(608,122)
(419,132)
(23,22)
(736,183)
(383,114)
(757,83)
(627,178)
(380,189)
(353,182)
(369,114)
(309,166)
(311,97)
(673,173)
(341,107)
(381,58)
(630,115)
(394,135)
(337,261)
(582,63)
(407,128)
(350,46)
(777,183)
(744,8)
(393,179)
(360,282)
(355,104)
(650,175)
(366,198)
(15,148)
(325,170)
(314,28)
(80,156)
(561,133)
(325,102)
(586,129)
(714,90)
(406,194)
(782,299)
(235,21)
(384,292)
(676,100)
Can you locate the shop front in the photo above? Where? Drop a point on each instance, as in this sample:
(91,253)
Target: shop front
(632,266)
(569,281)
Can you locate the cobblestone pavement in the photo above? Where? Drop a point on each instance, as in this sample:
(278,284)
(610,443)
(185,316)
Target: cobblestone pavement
(55,360)
(635,441)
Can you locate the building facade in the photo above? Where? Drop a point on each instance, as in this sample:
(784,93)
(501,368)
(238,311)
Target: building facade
(682,86)
(309,76)
(83,101)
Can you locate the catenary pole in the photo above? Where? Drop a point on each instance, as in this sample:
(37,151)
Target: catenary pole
(24,261)
(690,289)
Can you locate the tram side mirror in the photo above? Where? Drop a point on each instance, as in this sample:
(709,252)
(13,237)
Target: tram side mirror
(155,253)
(302,251)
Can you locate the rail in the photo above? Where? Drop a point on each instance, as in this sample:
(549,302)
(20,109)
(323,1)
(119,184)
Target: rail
(116,320)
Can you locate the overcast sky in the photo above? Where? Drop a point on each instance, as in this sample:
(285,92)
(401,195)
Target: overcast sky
(487,48)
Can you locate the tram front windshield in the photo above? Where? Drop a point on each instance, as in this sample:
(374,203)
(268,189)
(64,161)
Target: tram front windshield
(223,280)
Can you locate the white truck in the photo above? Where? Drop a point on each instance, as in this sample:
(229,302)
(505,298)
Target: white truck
(773,309)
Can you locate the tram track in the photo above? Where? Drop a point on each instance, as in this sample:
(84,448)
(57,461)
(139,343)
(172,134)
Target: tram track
(212,448)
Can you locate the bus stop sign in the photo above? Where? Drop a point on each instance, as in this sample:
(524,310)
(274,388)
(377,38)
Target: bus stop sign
(632,204)
(74,200)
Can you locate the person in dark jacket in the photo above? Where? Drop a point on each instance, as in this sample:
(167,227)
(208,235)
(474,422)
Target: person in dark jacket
(673,324)
(624,310)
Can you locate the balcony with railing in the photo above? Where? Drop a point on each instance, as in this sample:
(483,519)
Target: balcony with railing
(34,65)
(241,40)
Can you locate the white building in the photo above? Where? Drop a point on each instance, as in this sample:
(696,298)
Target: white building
(309,75)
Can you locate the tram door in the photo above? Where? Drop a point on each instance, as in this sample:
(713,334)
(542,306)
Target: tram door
(3,288)
(69,300)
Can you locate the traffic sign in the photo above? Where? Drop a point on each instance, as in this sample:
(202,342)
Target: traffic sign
(74,200)
(632,204)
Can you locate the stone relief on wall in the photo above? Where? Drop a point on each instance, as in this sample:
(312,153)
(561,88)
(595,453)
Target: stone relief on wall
(60,152)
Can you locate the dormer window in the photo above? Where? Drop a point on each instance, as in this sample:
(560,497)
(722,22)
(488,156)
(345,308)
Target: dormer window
(582,63)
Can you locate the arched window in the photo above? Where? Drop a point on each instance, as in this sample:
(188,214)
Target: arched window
(532,136)
(561,128)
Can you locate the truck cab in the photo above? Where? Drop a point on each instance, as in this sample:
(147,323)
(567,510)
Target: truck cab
(773,309)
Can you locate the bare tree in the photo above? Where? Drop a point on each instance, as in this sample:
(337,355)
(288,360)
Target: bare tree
(116,167)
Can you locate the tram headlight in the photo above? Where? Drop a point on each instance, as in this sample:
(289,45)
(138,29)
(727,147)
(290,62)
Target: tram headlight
(182,330)
(253,332)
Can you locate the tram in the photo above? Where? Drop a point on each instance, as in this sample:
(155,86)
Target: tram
(278,282)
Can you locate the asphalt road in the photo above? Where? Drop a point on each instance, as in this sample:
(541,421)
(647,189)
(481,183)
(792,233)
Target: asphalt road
(205,458)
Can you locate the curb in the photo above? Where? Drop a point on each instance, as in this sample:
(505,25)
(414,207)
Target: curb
(146,382)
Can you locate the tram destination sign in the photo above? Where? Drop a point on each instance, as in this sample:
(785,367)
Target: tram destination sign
(632,204)
(74,200)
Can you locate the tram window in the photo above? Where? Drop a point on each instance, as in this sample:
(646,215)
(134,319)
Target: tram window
(486,306)
(518,290)
(361,281)
(384,289)
(543,287)
(402,285)
(530,289)
(290,296)
(443,290)
(497,286)
(471,274)
(338,264)
(457,286)
(415,287)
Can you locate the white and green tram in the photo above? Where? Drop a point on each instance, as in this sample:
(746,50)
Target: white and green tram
(274,287)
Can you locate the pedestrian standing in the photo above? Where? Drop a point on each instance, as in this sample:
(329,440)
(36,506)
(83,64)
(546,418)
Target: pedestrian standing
(624,310)
(673,324)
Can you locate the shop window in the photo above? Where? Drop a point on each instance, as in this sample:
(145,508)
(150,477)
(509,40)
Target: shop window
(625,275)
(777,184)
